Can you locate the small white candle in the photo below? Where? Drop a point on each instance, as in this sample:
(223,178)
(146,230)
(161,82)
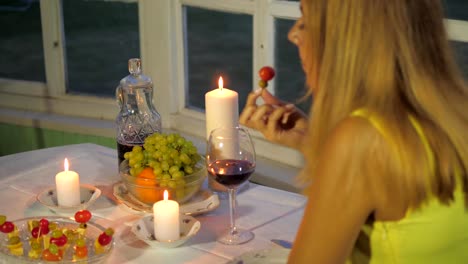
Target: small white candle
(166,219)
(221,108)
(67,184)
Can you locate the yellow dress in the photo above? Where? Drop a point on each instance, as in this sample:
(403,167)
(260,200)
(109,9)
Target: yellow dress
(433,234)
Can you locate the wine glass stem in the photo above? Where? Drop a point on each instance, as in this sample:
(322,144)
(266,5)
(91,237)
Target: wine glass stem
(232,210)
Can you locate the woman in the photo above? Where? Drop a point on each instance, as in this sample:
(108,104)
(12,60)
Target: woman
(386,146)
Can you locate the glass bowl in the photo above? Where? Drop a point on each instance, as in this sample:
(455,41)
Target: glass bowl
(148,191)
(93,231)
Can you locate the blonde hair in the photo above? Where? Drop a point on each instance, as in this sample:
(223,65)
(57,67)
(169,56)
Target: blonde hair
(392,58)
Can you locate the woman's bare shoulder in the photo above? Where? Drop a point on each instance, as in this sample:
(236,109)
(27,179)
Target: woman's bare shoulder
(352,154)
(352,139)
(339,198)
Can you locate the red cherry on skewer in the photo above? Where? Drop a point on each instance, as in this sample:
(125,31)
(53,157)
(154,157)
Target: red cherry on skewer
(59,241)
(106,237)
(266,73)
(7,227)
(44,223)
(83,216)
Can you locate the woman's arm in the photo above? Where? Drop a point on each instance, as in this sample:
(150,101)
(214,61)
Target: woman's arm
(340,200)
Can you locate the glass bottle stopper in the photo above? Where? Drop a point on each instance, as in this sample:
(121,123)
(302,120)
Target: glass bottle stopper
(134,66)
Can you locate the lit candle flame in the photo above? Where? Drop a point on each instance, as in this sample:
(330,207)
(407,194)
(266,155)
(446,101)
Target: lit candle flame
(65,164)
(220,83)
(166,195)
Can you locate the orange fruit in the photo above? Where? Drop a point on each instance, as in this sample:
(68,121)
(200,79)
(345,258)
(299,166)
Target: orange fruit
(146,173)
(144,192)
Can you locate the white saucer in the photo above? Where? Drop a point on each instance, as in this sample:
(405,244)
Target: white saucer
(88,195)
(203,201)
(144,230)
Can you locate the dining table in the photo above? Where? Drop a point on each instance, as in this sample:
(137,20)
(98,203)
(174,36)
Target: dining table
(269,213)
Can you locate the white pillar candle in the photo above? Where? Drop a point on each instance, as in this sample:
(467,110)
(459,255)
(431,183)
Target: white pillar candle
(221,108)
(222,111)
(67,184)
(166,219)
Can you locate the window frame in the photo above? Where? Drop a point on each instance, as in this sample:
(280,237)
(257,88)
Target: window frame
(163,57)
(51,97)
(170,70)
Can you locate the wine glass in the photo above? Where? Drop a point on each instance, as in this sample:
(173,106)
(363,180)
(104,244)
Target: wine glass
(230,160)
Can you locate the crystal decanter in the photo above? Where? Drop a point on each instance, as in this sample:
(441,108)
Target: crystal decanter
(138,118)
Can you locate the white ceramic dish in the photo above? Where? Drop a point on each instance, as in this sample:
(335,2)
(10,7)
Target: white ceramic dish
(144,230)
(204,201)
(88,194)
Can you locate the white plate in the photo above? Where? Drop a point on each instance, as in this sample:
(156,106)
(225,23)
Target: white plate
(144,230)
(203,201)
(274,255)
(88,195)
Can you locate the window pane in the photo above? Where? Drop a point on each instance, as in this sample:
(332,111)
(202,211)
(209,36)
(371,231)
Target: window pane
(100,38)
(218,44)
(456,9)
(461,51)
(21,50)
(290,81)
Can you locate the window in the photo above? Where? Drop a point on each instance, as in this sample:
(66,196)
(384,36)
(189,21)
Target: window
(68,65)
(288,65)
(217,44)
(97,48)
(461,51)
(21,45)
(457,14)
(456,9)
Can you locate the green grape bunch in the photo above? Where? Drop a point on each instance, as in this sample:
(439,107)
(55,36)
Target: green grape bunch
(170,156)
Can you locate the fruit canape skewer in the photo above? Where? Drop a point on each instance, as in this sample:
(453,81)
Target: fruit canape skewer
(15,246)
(266,73)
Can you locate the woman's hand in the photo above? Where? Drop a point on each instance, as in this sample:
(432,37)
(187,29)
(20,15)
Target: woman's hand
(279,122)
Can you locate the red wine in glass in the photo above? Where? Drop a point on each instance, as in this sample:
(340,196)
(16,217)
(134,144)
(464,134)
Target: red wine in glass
(121,150)
(126,143)
(231,173)
(230,161)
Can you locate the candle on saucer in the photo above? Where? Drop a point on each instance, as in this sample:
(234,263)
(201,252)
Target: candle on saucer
(67,183)
(221,108)
(166,219)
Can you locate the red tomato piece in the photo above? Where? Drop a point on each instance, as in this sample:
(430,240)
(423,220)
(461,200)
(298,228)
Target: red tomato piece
(7,227)
(45,231)
(61,241)
(81,252)
(44,223)
(35,232)
(39,231)
(266,73)
(49,256)
(104,239)
(82,216)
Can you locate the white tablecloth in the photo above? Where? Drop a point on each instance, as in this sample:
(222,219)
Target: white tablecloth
(269,213)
